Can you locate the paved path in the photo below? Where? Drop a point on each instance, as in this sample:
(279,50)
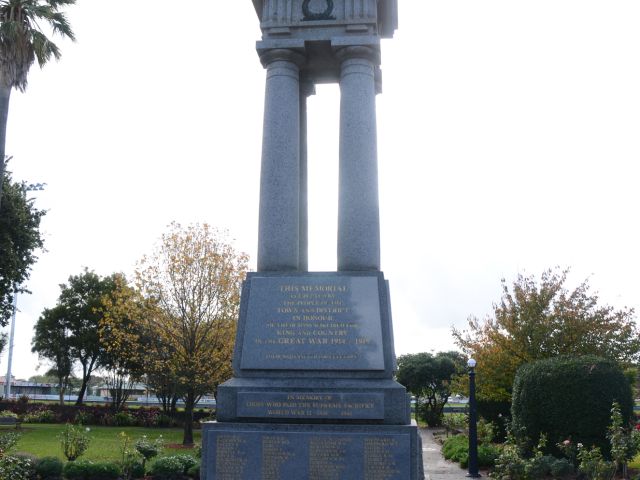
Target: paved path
(435,466)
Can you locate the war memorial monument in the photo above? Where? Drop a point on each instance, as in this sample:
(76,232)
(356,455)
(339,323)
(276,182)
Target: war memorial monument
(313,395)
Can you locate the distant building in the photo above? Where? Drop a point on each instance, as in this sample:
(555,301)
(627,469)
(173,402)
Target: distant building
(24,387)
(136,390)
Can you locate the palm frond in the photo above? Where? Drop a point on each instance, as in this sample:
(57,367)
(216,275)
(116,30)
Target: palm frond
(22,41)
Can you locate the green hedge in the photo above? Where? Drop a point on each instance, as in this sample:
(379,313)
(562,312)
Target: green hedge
(568,398)
(88,470)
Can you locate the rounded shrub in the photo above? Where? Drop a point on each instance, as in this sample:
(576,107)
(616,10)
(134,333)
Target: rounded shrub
(167,468)
(77,470)
(49,468)
(105,471)
(187,462)
(568,398)
(87,470)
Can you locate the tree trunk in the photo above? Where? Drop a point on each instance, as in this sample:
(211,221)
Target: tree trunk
(61,389)
(174,409)
(86,376)
(5,95)
(81,393)
(189,400)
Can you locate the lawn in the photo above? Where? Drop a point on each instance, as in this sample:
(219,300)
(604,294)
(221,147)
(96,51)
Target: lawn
(42,440)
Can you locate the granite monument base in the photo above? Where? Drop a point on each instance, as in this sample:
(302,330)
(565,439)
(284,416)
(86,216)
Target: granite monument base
(258,451)
(313,395)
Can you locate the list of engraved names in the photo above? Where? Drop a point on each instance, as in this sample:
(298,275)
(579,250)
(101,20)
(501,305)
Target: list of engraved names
(288,456)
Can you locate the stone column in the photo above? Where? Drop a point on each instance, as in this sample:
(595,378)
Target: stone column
(279,217)
(306,89)
(358,210)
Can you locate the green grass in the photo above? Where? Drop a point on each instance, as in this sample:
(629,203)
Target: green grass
(42,440)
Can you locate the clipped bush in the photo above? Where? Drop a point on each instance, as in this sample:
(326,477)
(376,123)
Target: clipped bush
(88,470)
(167,468)
(149,449)
(568,398)
(78,470)
(49,468)
(174,467)
(187,461)
(105,471)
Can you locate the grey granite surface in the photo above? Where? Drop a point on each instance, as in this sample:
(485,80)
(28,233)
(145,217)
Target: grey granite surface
(253,451)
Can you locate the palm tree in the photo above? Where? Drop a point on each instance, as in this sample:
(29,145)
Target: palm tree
(21,43)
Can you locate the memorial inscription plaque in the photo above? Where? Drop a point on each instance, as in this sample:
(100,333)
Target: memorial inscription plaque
(311,405)
(318,322)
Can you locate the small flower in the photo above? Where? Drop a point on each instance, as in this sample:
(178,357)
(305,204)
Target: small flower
(88,429)
(580,445)
(567,442)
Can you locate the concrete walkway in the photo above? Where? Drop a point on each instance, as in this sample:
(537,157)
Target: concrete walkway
(435,466)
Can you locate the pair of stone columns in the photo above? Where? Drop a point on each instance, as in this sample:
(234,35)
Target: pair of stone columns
(282,232)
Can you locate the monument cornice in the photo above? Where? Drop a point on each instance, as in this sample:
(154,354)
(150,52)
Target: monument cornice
(387,16)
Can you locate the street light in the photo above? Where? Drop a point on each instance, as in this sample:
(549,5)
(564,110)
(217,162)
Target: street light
(473,422)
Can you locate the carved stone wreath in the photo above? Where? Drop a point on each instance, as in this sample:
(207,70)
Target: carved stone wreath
(309,15)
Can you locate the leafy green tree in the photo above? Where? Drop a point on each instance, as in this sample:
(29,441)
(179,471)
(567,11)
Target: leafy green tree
(429,378)
(192,283)
(46,378)
(19,239)
(22,42)
(79,311)
(51,342)
(543,319)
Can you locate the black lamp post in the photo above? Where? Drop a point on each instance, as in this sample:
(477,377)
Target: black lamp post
(473,422)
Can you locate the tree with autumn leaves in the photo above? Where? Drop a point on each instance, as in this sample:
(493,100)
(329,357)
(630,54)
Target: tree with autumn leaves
(542,319)
(183,311)
(174,325)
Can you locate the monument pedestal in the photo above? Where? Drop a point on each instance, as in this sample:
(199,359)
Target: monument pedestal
(258,451)
(313,395)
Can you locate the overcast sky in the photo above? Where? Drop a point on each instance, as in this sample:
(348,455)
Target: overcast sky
(508,142)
